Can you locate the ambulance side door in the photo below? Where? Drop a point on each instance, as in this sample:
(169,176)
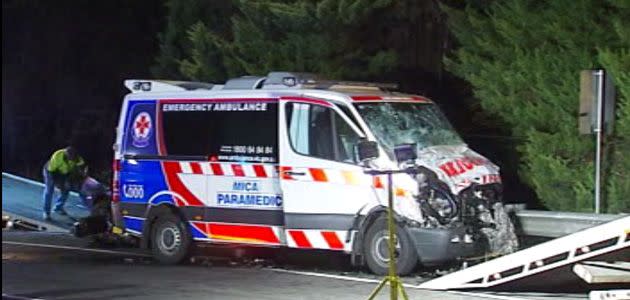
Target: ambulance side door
(322,184)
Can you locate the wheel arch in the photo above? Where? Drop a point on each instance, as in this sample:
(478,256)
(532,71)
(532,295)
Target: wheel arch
(357,257)
(364,223)
(151,215)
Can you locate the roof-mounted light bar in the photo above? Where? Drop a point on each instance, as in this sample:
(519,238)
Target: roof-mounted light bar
(312,81)
(350,85)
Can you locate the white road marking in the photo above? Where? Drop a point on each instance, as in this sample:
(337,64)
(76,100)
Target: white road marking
(340,277)
(74,248)
(410,286)
(19,297)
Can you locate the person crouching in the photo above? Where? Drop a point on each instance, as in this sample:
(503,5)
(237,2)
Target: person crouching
(65,170)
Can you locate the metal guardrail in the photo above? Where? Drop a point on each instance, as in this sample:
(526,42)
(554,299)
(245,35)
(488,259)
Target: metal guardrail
(553,224)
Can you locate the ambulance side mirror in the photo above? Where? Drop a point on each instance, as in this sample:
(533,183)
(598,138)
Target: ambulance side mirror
(367,150)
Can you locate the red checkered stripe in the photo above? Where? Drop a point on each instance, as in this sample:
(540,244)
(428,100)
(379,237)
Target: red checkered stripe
(327,175)
(344,177)
(373,98)
(229,169)
(271,171)
(239,233)
(318,239)
(485,179)
(335,176)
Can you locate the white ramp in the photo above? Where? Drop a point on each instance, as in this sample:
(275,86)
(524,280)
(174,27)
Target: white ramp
(603,272)
(561,252)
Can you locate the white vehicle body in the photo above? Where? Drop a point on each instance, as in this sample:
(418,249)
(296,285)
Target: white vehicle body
(299,187)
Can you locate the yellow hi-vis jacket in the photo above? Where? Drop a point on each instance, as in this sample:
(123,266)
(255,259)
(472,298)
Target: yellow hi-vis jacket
(59,163)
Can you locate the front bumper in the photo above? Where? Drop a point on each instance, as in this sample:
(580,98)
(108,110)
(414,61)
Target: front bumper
(437,246)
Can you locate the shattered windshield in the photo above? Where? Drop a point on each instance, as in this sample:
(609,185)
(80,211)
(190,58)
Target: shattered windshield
(395,123)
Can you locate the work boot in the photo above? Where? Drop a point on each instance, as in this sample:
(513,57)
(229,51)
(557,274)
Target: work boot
(46,216)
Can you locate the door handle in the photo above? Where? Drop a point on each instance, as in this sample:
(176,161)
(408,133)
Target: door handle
(291,173)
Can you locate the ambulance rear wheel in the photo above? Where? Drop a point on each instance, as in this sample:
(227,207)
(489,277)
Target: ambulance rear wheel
(170,239)
(376,249)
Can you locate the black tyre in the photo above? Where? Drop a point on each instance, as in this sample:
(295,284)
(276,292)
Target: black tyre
(376,250)
(170,239)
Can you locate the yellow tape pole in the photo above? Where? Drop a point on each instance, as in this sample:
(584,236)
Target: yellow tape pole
(395,283)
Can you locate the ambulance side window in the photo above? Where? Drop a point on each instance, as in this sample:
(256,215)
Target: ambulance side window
(320,132)
(346,139)
(348,113)
(231,131)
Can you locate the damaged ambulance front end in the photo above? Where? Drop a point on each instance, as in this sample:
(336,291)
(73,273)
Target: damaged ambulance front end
(454,207)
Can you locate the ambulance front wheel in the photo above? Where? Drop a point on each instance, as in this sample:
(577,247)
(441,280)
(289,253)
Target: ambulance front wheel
(170,239)
(377,252)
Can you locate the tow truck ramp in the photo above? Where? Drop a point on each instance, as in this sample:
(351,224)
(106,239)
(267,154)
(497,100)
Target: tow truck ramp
(547,266)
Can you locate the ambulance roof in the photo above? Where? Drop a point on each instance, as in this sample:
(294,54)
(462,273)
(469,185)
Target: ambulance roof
(275,85)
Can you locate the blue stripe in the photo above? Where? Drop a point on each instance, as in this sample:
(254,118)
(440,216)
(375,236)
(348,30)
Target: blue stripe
(134,223)
(195,232)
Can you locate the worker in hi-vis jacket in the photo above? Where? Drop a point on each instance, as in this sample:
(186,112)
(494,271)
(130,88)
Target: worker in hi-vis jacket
(65,170)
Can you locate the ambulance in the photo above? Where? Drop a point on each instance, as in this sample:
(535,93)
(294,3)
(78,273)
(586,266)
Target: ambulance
(274,161)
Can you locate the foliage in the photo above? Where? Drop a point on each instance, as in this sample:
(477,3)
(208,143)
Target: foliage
(185,31)
(523,60)
(350,39)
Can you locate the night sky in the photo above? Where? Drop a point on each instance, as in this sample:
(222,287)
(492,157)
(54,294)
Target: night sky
(63,63)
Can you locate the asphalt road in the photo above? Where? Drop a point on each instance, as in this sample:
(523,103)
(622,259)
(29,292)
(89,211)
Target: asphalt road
(55,265)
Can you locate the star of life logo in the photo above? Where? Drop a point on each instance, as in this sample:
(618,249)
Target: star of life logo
(142,126)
